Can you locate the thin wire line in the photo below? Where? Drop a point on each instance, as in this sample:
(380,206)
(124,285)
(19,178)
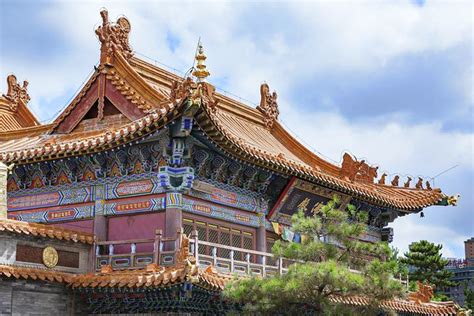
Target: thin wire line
(160,63)
(443,172)
(306,143)
(70,99)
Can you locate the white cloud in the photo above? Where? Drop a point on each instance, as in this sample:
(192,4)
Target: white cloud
(412,228)
(370,33)
(331,36)
(419,149)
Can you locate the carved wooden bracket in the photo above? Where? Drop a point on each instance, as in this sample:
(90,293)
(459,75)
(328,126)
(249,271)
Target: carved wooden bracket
(268,105)
(16,93)
(113,37)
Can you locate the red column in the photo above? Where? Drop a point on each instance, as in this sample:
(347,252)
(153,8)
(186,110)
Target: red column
(174,213)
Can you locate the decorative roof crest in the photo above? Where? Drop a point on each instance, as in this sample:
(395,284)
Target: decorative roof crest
(16,93)
(113,37)
(195,92)
(268,105)
(181,89)
(201,72)
(354,170)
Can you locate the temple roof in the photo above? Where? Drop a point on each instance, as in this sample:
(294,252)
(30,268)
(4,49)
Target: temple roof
(44,231)
(127,99)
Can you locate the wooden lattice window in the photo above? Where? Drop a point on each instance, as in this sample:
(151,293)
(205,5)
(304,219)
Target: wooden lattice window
(270,243)
(188,227)
(221,233)
(224,240)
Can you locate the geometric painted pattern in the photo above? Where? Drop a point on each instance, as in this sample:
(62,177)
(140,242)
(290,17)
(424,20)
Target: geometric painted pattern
(52,216)
(61,197)
(128,206)
(216,211)
(230,198)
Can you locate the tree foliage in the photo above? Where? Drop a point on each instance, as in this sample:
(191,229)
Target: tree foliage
(323,269)
(469,298)
(427,264)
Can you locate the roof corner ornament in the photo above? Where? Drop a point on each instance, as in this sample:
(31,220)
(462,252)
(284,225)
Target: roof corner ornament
(419,184)
(16,93)
(113,37)
(268,105)
(382,178)
(395,181)
(200,71)
(453,199)
(354,170)
(423,295)
(407,184)
(450,200)
(428,185)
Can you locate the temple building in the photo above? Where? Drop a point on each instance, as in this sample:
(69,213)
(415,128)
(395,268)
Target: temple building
(149,190)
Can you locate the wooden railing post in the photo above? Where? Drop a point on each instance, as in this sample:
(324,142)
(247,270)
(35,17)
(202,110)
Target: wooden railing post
(94,253)
(280,265)
(194,236)
(177,243)
(133,251)
(156,246)
(231,261)
(214,256)
(247,258)
(264,266)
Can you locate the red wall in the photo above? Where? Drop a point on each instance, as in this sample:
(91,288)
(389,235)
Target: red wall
(141,226)
(83,226)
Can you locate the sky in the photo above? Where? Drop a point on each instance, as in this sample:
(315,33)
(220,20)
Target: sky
(389,81)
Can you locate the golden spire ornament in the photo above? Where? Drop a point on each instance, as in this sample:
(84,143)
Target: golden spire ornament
(200,71)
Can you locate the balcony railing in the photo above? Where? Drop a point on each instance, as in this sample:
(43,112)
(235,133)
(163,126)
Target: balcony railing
(253,263)
(136,254)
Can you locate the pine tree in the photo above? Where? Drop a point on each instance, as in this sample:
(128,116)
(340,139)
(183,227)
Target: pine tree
(323,269)
(469,298)
(427,264)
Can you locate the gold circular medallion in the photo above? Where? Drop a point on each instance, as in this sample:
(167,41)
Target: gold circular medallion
(50,257)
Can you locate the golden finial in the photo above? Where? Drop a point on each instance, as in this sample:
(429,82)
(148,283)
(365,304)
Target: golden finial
(200,72)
